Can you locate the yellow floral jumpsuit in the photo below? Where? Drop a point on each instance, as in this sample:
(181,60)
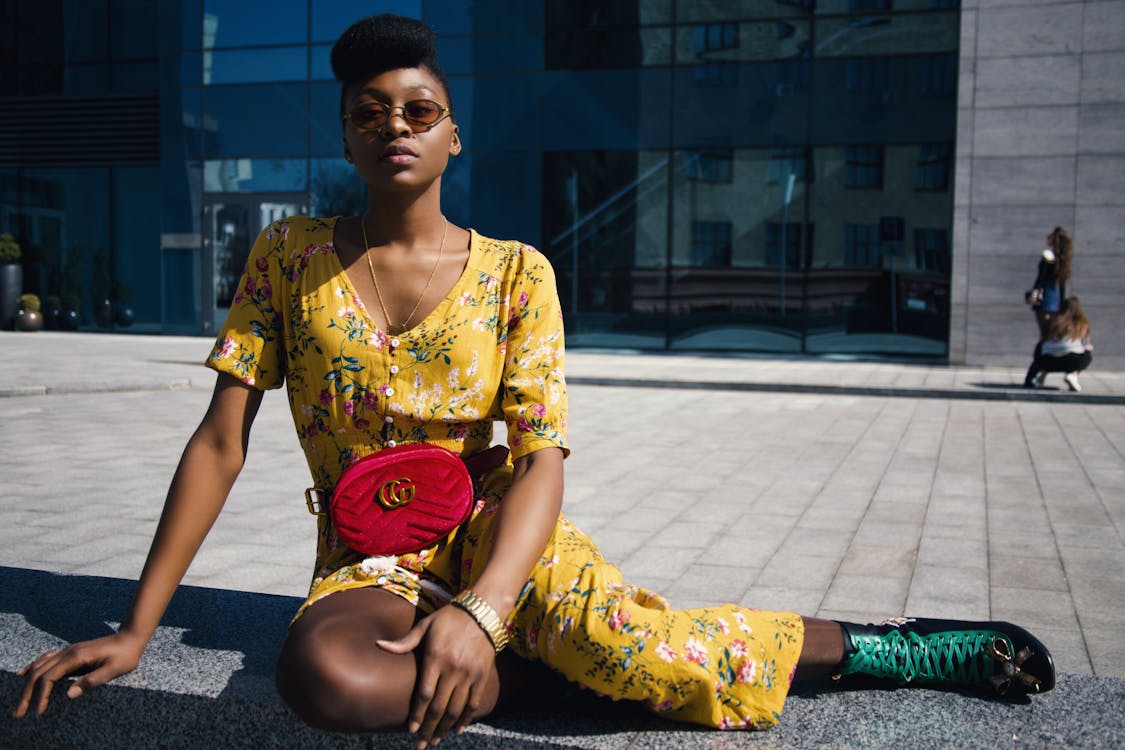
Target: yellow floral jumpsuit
(491,351)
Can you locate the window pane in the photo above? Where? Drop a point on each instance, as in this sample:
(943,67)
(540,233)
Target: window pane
(134,27)
(325,131)
(718,10)
(875,284)
(745,41)
(728,288)
(255,175)
(887,34)
(502,112)
(84,30)
(756,107)
(321,61)
(605,14)
(832,7)
(86,79)
(484,16)
(255,65)
(851,104)
(491,54)
(135,289)
(336,190)
(606,109)
(508,208)
(135,77)
(608,48)
(64,221)
(249,121)
(331,17)
(240,23)
(605,227)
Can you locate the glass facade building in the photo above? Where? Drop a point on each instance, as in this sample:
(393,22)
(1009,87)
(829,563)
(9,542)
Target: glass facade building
(720,175)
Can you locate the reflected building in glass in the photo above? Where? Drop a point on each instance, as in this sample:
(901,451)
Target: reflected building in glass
(707,175)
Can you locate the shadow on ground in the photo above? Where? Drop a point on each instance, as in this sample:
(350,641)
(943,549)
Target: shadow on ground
(206,682)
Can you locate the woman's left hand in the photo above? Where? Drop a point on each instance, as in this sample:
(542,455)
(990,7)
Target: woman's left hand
(457,661)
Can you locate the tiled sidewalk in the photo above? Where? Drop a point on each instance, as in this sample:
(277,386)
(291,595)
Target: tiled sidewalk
(838,489)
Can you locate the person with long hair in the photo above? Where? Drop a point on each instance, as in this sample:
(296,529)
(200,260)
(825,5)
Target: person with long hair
(1052,274)
(397,327)
(1066,347)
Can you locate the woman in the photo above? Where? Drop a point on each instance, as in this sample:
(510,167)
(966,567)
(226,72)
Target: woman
(1051,277)
(396,327)
(1065,348)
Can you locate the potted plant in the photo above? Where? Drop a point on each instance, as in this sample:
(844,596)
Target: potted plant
(71,316)
(11,279)
(29,318)
(70,290)
(52,311)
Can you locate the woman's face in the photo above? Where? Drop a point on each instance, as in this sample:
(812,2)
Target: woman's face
(399,154)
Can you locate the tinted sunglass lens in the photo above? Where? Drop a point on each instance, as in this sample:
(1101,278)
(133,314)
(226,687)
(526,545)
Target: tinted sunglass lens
(422,111)
(368,117)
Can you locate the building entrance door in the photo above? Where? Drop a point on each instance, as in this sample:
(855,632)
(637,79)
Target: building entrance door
(231,222)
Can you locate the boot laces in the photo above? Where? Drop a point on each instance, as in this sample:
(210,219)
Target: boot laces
(961,656)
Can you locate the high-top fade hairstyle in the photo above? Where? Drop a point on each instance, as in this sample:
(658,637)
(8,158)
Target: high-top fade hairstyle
(385,42)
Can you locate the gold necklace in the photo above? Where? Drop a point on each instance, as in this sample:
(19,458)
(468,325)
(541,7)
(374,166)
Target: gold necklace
(391,327)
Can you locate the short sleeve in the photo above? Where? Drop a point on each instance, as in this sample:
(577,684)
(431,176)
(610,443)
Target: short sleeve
(533,388)
(249,345)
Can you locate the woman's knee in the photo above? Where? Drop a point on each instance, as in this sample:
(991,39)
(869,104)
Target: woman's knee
(333,680)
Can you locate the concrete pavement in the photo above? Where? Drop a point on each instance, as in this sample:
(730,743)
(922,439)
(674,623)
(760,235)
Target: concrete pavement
(846,489)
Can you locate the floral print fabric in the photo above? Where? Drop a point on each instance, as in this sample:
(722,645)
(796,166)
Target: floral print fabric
(492,351)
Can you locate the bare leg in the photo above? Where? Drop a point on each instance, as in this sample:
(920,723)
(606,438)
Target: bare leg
(823,649)
(334,677)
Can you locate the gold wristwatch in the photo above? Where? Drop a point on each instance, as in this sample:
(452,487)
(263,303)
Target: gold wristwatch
(485,616)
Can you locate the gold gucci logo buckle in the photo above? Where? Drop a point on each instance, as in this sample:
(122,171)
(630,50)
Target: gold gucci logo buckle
(396,493)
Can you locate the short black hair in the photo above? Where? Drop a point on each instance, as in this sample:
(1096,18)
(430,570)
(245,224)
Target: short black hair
(374,45)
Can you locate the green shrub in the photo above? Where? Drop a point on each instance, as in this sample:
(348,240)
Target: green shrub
(29,302)
(9,248)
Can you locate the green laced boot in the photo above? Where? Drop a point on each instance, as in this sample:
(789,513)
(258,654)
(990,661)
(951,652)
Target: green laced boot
(992,656)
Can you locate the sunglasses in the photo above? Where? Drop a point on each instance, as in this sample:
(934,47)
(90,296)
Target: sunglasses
(419,114)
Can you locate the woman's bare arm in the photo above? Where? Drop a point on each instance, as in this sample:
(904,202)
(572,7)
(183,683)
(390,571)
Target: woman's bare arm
(207,470)
(524,523)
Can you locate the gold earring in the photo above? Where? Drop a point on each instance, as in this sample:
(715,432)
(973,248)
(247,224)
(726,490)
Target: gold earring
(347,156)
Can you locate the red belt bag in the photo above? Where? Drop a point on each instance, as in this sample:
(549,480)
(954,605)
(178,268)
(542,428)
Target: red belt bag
(405,498)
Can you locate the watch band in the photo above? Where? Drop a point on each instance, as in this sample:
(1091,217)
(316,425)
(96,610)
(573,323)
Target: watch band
(485,616)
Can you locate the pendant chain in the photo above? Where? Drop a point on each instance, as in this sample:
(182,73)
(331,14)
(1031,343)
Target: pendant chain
(391,327)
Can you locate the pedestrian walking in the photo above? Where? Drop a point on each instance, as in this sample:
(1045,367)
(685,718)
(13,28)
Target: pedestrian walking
(1051,276)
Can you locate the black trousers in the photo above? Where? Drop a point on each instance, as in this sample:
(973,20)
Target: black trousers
(1047,363)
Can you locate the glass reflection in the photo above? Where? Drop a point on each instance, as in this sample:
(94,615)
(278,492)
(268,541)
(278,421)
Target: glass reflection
(255,120)
(605,230)
(254,175)
(240,23)
(255,65)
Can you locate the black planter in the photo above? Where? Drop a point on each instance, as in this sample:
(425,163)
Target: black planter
(51,315)
(123,316)
(11,286)
(69,320)
(103,313)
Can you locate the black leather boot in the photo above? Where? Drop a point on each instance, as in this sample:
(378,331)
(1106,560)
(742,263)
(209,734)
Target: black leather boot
(992,656)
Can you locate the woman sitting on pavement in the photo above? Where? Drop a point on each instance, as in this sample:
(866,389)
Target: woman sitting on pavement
(397,327)
(1066,348)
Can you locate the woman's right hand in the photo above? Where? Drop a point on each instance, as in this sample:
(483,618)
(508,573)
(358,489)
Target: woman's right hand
(101,659)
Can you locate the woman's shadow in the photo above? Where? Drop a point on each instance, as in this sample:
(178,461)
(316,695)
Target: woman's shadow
(209,670)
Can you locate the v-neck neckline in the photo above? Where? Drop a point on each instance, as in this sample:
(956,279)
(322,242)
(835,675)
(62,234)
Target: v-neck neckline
(441,306)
